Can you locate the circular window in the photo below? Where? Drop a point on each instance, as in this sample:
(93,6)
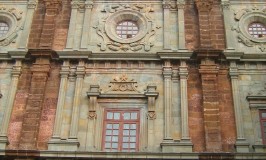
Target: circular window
(4,28)
(127,29)
(126,26)
(257,30)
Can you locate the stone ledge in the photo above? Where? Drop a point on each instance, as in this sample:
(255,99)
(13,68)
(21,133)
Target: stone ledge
(177,147)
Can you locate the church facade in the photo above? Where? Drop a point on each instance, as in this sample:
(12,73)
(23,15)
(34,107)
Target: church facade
(129,79)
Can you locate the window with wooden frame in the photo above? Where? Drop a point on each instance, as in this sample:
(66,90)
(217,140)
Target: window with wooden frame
(121,130)
(263,125)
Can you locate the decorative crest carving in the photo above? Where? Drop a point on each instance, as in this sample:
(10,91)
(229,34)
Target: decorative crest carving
(123,84)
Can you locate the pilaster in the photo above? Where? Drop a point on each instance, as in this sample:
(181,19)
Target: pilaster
(181,24)
(93,94)
(55,142)
(85,37)
(241,143)
(31,120)
(16,71)
(52,9)
(73,140)
(72,24)
(227,23)
(209,77)
(204,7)
(151,115)
(166,24)
(26,30)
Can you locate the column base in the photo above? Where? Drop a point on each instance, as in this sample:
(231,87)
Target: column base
(242,146)
(3,142)
(182,146)
(57,144)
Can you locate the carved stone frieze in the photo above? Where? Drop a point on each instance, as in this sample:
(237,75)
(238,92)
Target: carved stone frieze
(243,18)
(13,17)
(141,13)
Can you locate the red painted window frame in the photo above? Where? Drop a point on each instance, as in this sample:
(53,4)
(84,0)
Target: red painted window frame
(263,135)
(121,121)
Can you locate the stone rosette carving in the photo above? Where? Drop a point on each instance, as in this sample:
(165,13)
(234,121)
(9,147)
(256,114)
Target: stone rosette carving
(245,17)
(113,14)
(13,17)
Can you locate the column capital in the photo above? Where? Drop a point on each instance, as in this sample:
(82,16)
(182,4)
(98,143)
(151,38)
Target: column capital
(225,5)
(89,4)
(181,4)
(204,5)
(166,4)
(32,4)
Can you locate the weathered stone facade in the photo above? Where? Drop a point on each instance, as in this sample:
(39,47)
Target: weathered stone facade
(193,73)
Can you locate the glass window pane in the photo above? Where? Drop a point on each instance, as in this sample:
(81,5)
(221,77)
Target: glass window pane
(126,126)
(134,115)
(109,115)
(108,138)
(126,132)
(132,145)
(132,139)
(116,115)
(114,145)
(115,139)
(115,132)
(109,126)
(126,115)
(107,145)
(263,115)
(133,126)
(115,126)
(133,132)
(125,145)
(108,132)
(125,139)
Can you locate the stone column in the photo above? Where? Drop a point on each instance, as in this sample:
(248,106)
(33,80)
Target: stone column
(55,140)
(27,26)
(16,71)
(72,25)
(227,23)
(241,143)
(85,36)
(166,24)
(75,111)
(181,25)
(167,74)
(92,116)
(151,94)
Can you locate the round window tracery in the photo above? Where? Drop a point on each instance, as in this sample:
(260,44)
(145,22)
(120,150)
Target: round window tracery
(127,29)
(4,28)
(257,30)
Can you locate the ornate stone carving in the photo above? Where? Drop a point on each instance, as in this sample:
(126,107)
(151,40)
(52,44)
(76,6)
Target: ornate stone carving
(204,5)
(115,13)
(13,17)
(123,84)
(92,115)
(181,4)
(243,18)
